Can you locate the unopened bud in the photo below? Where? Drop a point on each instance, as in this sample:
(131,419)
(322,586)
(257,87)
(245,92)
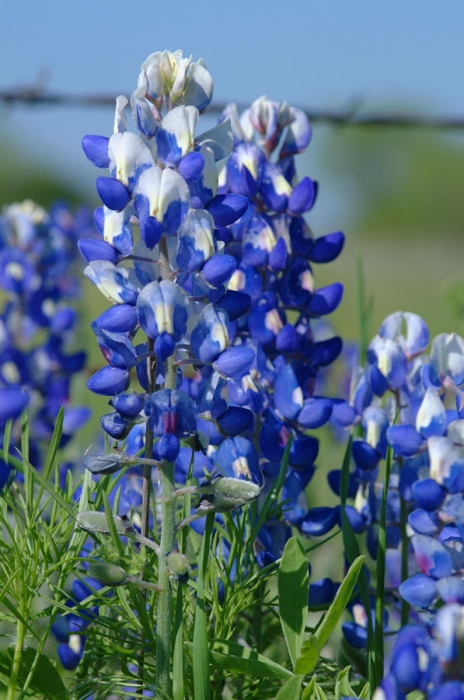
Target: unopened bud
(108,574)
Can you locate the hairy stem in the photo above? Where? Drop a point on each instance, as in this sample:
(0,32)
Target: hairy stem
(168,534)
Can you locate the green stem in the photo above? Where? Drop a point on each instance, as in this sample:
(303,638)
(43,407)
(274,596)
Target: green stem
(404,557)
(168,532)
(20,636)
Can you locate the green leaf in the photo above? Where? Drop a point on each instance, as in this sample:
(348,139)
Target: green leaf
(178,684)
(350,543)
(380,566)
(309,691)
(342,685)
(312,647)
(46,680)
(200,649)
(230,656)
(320,695)
(309,655)
(291,690)
(293,587)
(340,602)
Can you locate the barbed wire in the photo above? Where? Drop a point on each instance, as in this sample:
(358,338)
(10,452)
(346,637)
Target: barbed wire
(350,116)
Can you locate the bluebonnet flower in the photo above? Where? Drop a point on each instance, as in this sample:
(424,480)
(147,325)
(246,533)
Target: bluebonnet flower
(204,251)
(38,274)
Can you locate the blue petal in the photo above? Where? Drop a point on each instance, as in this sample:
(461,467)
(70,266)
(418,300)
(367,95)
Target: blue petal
(191,166)
(288,397)
(405,440)
(95,249)
(128,405)
(109,381)
(234,362)
(326,351)
(227,208)
(428,494)
(121,318)
(322,593)
(303,196)
(235,420)
(115,425)
(113,193)
(365,456)
(96,150)
(423,522)
(167,448)
(326,299)
(327,248)
(210,336)
(219,269)
(318,521)
(315,412)
(287,340)
(12,403)
(278,256)
(451,589)
(237,457)
(234,303)
(432,557)
(355,635)
(419,590)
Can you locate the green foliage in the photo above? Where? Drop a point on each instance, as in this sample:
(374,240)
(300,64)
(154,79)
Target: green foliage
(293,586)
(312,647)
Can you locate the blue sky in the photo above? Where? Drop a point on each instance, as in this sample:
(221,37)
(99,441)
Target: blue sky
(321,54)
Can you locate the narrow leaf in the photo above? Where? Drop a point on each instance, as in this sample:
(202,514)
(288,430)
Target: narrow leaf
(380,584)
(312,647)
(340,602)
(293,587)
(200,650)
(230,656)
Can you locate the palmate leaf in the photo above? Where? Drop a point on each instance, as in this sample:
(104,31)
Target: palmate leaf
(312,646)
(46,680)
(293,587)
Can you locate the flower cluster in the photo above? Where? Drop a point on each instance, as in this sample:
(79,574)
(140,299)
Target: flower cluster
(219,281)
(38,275)
(412,403)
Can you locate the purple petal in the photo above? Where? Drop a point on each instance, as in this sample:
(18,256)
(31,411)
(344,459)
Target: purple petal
(326,299)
